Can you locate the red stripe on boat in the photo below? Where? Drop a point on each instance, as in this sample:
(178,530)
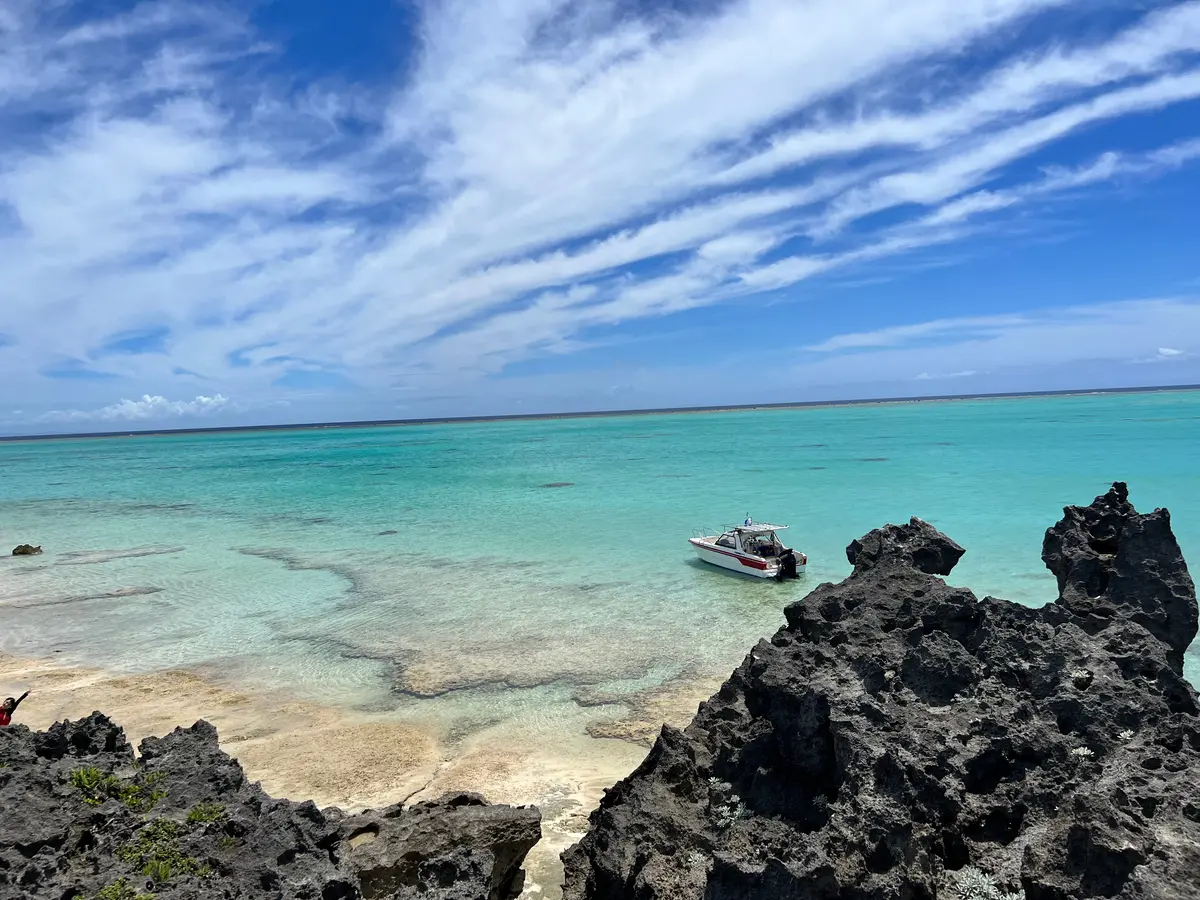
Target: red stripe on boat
(750,563)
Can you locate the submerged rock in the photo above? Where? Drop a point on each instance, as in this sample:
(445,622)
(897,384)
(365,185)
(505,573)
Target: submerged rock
(899,738)
(26,550)
(81,816)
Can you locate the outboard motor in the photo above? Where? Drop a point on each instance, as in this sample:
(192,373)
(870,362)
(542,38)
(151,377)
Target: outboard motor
(787,566)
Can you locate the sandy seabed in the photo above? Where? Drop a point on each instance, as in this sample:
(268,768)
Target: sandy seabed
(357,761)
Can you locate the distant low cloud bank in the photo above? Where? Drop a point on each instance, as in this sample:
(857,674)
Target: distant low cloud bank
(149,407)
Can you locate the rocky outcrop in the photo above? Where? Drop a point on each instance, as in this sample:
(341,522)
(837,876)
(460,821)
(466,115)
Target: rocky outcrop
(1111,562)
(917,545)
(26,550)
(900,738)
(82,818)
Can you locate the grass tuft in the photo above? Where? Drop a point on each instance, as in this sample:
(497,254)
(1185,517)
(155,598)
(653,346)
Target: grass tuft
(98,786)
(203,813)
(121,889)
(155,851)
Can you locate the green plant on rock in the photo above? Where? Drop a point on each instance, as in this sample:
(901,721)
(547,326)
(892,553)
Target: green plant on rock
(140,799)
(729,812)
(155,851)
(121,889)
(971,883)
(97,786)
(158,871)
(203,813)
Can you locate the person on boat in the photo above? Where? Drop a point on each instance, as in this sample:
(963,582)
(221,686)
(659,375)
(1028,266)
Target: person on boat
(8,707)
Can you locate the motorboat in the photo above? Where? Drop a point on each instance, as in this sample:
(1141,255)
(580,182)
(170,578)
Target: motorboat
(750,548)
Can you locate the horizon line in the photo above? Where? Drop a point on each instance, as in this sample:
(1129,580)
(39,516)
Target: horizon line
(611,413)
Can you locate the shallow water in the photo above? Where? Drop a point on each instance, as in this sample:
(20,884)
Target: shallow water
(510,588)
(262,554)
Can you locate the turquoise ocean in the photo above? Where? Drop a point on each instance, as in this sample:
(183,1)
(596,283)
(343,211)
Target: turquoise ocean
(429,569)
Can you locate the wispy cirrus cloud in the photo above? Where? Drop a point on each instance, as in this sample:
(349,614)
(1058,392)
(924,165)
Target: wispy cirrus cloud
(1117,333)
(937,329)
(1096,346)
(176,208)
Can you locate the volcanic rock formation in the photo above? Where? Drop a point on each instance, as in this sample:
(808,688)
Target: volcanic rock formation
(900,739)
(80,818)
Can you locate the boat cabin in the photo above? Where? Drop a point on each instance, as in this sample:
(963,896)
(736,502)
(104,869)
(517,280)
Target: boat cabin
(757,540)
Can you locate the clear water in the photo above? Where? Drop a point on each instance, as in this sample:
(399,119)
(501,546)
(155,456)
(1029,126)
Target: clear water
(260,557)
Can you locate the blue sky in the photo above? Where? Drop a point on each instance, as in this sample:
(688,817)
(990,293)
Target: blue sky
(219,213)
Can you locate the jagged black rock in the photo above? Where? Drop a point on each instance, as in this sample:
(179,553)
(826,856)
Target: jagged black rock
(900,739)
(81,818)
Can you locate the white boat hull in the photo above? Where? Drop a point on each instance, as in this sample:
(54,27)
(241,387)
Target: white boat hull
(745,563)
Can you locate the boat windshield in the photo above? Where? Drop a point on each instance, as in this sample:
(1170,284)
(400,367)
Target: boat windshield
(762,544)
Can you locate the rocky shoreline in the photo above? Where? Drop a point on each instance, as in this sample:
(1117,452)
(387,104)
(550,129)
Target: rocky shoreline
(898,738)
(83,818)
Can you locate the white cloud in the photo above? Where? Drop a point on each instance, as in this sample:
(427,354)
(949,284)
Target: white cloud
(149,407)
(1024,85)
(937,376)
(1049,349)
(544,172)
(906,334)
(1115,333)
(1168,352)
(953,174)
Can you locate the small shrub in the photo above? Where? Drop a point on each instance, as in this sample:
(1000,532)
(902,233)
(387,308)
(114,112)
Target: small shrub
(971,883)
(155,851)
(121,889)
(97,786)
(203,813)
(730,811)
(1084,752)
(139,799)
(1126,735)
(158,870)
